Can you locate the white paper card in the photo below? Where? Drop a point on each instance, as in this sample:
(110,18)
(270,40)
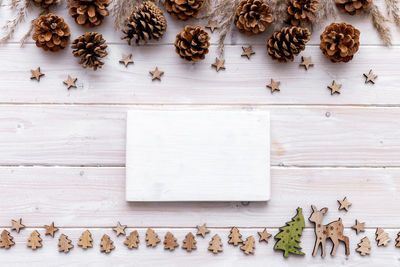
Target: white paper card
(198,155)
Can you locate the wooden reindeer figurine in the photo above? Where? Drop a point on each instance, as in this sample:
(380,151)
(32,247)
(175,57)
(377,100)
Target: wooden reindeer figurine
(333,231)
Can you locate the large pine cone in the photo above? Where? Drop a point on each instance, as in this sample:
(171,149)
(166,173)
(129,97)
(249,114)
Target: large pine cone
(90,47)
(146,22)
(89,12)
(51,32)
(253,16)
(192,43)
(183,9)
(44,3)
(340,41)
(301,12)
(283,45)
(353,7)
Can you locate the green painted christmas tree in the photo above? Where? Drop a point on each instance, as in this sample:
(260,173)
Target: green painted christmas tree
(289,235)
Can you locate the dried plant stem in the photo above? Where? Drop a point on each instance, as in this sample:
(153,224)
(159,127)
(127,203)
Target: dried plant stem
(28,33)
(380,24)
(21,6)
(121,10)
(392,7)
(279,9)
(325,11)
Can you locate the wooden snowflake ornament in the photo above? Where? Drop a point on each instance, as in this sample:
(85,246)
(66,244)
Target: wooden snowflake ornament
(85,241)
(132,240)
(189,243)
(248,246)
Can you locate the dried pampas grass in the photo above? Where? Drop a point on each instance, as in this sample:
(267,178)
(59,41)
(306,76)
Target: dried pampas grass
(381,26)
(393,10)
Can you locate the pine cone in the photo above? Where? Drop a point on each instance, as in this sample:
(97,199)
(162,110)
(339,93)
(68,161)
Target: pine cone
(183,9)
(89,12)
(44,3)
(90,47)
(253,16)
(283,45)
(51,32)
(353,7)
(340,41)
(146,22)
(301,12)
(192,43)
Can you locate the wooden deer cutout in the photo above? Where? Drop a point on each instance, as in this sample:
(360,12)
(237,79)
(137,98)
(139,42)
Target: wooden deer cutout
(333,231)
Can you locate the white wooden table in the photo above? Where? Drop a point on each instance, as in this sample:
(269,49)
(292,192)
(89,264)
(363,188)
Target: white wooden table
(62,153)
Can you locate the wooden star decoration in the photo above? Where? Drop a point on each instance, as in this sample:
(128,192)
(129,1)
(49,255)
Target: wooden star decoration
(126,59)
(219,64)
(306,62)
(370,77)
(50,229)
(344,204)
(202,230)
(359,227)
(212,25)
(156,74)
(120,229)
(36,74)
(335,88)
(70,82)
(274,86)
(264,236)
(17,225)
(247,52)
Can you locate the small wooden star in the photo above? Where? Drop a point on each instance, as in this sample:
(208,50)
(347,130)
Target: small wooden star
(120,229)
(126,59)
(264,236)
(219,64)
(274,86)
(359,227)
(344,204)
(306,62)
(70,82)
(50,229)
(156,74)
(212,25)
(370,77)
(17,225)
(36,74)
(335,88)
(202,230)
(247,51)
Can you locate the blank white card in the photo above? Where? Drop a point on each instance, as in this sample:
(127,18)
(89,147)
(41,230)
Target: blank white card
(198,155)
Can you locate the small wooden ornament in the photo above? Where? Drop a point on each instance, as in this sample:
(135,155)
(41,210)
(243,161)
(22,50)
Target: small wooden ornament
(17,225)
(85,241)
(274,86)
(248,246)
(335,88)
(132,240)
(344,204)
(264,236)
(398,240)
(119,229)
(382,237)
(106,244)
(70,82)
(202,230)
(235,237)
(34,241)
(306,62)
(189,243)
(247,51)
(364,247)
(126,60)
(212,25)
(156,74)
(151,238)
(64,244)
(359,227)
(170,241)
(215,244)
(6,240)
(370,77)
(36,74)
(50,229)
(219,64)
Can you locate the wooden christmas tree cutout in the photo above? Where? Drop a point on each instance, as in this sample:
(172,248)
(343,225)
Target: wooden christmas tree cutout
(333,231)
(17,225)
(50,229)
(215,244)
(364,247)
(359,227)
(170,241)
(264,236)
(106,244)
(202,230)
(119,229)
(248,246)
(189,243)
(6,240)
(151,238)
(382,237)
(34,241)
(235,237)
(132,240)
(64,244)
(85,241)
(398,240)
(289,235)
(344,204)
